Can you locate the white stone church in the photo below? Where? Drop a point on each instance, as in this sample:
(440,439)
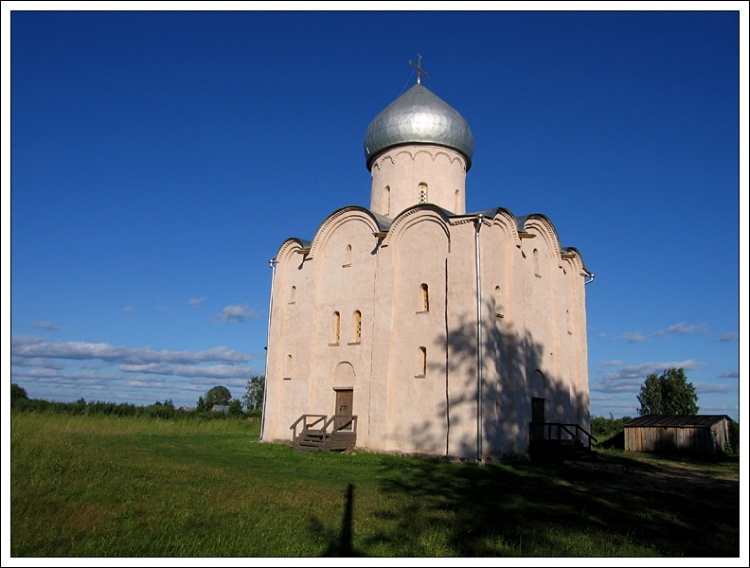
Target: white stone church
(413,326)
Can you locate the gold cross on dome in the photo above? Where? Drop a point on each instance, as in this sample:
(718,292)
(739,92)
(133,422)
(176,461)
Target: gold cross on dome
(419,69)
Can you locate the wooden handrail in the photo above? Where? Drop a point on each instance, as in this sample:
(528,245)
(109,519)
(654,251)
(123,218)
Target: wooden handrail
(311,420)
(323,436)
(349,419)
(578,430)
(318,418)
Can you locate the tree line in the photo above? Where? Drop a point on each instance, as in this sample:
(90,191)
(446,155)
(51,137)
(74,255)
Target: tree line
(217,403)
(667,394)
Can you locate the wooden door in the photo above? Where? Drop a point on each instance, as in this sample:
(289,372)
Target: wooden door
(344,400)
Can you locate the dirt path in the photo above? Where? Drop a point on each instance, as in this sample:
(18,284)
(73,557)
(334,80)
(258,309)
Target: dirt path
(663,474)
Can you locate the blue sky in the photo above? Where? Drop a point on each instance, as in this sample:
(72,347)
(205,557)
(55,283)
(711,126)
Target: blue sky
(159,159)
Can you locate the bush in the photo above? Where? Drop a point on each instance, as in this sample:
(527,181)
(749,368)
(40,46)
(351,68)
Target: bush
(235,407)
(604,428)
(160,410)
(732,447)
(17,394)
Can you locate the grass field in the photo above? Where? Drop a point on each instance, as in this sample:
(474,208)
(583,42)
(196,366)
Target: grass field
(94,486)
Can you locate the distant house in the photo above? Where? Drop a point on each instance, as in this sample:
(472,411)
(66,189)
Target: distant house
(700,433)
(187,409)
(220,408)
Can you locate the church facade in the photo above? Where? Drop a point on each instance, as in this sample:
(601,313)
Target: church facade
(443,332)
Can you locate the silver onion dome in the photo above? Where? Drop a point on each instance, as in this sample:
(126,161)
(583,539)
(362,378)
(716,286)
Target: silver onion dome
(419,116)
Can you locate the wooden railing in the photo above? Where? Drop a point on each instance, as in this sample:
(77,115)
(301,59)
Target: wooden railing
(323,425)
(559,432)
(308,421)
(341,422)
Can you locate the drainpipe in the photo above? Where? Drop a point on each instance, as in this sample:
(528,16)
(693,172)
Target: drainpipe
(590,281)
(272,265)
(478,226)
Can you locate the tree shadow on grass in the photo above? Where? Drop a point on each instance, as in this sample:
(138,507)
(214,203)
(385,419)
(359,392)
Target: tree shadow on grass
(552,510)
(340,544)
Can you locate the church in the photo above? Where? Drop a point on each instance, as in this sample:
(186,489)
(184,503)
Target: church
(415,326)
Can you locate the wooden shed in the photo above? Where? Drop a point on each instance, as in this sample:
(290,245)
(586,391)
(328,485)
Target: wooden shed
(700,433)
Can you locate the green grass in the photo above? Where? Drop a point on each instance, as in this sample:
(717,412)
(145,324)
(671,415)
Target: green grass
(93,486)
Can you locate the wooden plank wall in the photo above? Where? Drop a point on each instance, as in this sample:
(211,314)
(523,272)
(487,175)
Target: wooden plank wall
(700,440)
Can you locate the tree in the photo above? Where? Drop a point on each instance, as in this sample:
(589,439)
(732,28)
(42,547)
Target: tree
(17,392)
(254,392)
(668,394)
(733,444)
(201,405)
(218,395)
(235,407)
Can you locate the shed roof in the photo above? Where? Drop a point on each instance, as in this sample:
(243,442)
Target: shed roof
(679,421)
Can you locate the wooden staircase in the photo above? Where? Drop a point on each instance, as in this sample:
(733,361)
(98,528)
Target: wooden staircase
(556,441)
(317,432)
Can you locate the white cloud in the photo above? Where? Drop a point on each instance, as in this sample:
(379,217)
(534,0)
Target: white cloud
(129,309)
(735,374)
(672,331)
(213,371)
(145,384)
(38,374)
(706,388)
(629,378)
(718,409)
(681,329)
(237,312)
(615,405)
(632,337)
(205,383)
(196,302)
(23,346)
(49,375)
(731,336)
(101,371)
(46,325)
(34,362)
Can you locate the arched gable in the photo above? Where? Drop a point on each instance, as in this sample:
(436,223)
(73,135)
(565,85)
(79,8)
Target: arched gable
(416,214)
(352,213)
(289,247)
(505,221)
(573,257)
(541,225)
